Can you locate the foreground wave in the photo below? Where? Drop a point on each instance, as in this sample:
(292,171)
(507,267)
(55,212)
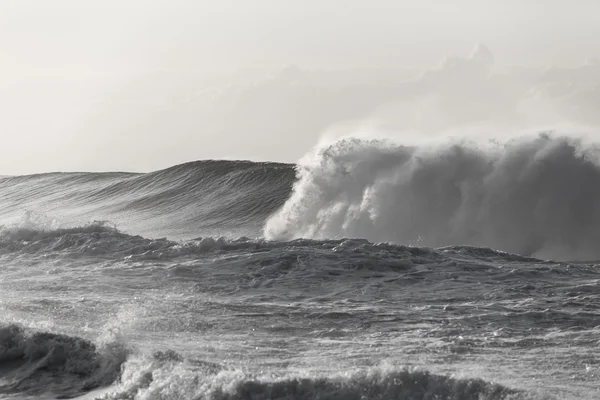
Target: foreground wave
(192,381)
(42,363)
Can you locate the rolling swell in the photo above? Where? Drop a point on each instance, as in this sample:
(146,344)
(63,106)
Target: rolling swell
(194,199)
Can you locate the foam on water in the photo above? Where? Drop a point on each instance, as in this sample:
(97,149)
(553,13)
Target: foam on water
(178,378)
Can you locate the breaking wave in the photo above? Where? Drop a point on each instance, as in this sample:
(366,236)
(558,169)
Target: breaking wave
(371,385)
(167,375)
(536,196)
(50,364)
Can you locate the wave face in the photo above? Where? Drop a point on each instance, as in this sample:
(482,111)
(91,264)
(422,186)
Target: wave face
(537,196)
(199,198)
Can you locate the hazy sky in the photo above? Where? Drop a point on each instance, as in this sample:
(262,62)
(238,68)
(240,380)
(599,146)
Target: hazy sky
(141,34)
(70,70)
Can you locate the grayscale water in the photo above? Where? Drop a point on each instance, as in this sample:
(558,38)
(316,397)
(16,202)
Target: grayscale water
(368,273)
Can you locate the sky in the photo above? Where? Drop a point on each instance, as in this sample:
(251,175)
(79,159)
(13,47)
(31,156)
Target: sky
(144,84)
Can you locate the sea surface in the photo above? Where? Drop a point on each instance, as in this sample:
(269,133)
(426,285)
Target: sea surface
(370,270)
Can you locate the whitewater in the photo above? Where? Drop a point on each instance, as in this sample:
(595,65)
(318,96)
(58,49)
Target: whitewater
(372,269)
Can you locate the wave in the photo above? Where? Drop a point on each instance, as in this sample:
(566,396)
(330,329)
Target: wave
(168,375)
(199,198)
(535,196)
(101,239)
(50,364)
(36,363)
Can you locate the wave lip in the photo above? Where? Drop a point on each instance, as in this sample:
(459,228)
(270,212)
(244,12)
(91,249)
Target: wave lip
(35,363)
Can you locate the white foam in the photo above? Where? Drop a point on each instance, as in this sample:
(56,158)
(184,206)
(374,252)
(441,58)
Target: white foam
(537,195)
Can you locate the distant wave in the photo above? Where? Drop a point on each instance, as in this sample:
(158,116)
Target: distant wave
(537,196)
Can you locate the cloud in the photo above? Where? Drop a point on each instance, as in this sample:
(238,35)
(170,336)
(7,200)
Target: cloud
(164,118)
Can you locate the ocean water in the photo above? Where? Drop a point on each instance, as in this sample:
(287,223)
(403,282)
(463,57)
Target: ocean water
(370,270)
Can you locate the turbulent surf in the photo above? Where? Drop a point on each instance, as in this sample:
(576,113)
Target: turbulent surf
(373,269)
